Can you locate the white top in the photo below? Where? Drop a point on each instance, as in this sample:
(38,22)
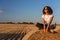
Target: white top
(47,17)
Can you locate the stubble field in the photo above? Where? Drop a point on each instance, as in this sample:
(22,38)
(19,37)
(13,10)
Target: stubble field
(26,32)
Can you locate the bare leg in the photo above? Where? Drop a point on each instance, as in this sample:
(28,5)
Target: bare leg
(44,28)
(47,27)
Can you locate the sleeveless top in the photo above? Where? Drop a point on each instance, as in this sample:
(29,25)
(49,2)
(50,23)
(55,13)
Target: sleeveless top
(47,18)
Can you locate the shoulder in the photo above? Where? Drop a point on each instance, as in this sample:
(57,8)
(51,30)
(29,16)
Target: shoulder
(42,16)
(51,15)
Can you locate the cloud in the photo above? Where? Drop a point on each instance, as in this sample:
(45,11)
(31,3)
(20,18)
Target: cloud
(2,10)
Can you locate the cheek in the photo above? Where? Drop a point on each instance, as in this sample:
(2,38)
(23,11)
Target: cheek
(46,11)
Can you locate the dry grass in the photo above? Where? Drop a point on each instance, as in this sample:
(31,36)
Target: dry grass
(14,31)
(40,35)
(18,31)
(5,28)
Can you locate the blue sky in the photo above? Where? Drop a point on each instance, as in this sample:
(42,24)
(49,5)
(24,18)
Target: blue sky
(27,10)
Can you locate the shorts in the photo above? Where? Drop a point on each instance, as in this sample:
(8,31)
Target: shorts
(41,26)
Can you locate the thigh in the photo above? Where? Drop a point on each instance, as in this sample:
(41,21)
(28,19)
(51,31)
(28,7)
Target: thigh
(52,26)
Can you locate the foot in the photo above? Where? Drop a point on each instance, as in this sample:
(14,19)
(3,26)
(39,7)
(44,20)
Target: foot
(51,31)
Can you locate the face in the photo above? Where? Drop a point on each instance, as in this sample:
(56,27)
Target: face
(46,10)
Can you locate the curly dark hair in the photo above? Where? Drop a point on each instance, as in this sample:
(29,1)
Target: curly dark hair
(49,9)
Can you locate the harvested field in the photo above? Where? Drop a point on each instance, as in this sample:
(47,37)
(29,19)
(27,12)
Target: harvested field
(26,32)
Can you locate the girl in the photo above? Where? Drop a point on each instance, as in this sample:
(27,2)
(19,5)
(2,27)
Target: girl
(47,17)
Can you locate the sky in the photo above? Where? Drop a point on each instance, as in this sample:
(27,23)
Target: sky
(27,10)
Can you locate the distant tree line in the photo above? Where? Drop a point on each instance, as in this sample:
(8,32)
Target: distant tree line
(16,23)
(25,23)
(7,23)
